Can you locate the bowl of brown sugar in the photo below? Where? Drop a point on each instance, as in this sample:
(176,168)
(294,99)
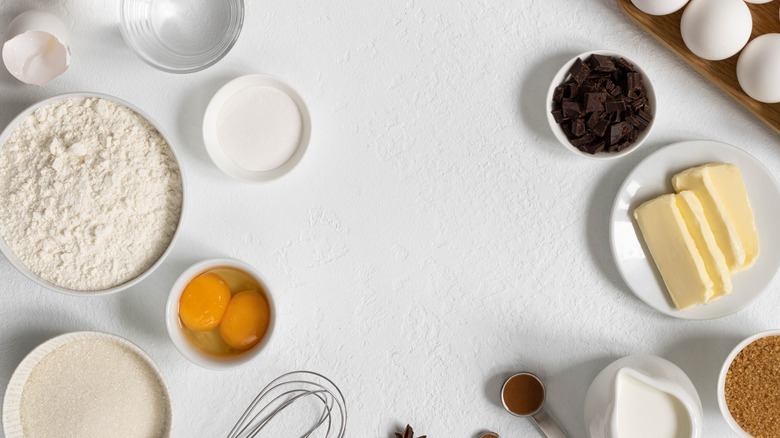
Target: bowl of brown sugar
(749,386)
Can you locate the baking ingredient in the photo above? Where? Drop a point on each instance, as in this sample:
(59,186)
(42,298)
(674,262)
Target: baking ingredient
(659,7)
(408,433)
(758,1)
(523,394)
(674,251)
(693,215)
(90,193)
(644,411)
(721,190)
(260,128)
(716,29)
(489,435)
(752,388)
(603,106)
(35,47)
(701,236)
(758,68)
(245,320)
(203,302)
(94,388)
(244,313)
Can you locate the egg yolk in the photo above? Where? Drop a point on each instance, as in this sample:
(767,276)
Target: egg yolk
(203,302)
(245,320)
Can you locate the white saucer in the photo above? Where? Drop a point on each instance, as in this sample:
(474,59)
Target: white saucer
(652,177)
(211,139)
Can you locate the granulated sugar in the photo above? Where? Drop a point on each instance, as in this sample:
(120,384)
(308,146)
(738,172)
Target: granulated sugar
(90,193)
(94,388)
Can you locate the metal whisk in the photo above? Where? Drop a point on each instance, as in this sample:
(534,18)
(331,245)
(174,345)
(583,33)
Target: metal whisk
(287,390)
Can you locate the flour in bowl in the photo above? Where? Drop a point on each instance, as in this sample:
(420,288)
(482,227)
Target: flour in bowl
(90,193)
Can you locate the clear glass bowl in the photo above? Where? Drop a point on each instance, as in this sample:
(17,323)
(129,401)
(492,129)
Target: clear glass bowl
(180,36)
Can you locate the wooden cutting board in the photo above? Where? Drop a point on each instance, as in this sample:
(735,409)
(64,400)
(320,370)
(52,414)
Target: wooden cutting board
(666,29)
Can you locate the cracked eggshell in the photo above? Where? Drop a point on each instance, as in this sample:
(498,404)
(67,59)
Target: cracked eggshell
(716,29)
(35,47)
(659,7)
(758,68)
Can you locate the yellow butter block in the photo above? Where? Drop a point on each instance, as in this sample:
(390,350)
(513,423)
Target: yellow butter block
(731,188)
(674,251)
(708,187)
(693,215)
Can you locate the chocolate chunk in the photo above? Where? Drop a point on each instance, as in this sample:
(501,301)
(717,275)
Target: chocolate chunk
(570,91)
(558,94)
(601,127)
(578,127)
(645,116)
(615,105)
(579,71)
(602,63)
(617,131)
(594,102)
(602,106)
(571,109)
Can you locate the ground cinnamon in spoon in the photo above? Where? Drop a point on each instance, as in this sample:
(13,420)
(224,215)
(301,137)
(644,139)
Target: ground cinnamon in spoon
(752,388)
(523,394)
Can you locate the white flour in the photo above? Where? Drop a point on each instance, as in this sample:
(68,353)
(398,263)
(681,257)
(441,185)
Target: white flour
(90,193)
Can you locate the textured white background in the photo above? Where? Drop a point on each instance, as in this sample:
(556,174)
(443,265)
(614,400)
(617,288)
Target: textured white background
(434,239)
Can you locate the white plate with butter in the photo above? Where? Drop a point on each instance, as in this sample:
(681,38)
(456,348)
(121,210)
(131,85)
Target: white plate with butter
(652,178)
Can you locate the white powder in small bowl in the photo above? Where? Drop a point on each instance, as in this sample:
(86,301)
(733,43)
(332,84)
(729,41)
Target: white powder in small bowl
(87,385)
(90,193)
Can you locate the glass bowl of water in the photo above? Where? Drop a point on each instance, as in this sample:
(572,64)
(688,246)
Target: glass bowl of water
(181,36)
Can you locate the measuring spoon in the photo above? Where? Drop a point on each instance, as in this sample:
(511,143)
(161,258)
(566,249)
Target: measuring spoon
(523,396)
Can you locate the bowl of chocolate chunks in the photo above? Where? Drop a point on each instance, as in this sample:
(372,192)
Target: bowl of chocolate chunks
(601,105)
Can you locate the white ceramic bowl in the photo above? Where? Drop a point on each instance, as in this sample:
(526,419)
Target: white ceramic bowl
(14,260)
(211,138)
(191,352)
(563,74)
(12,399)
(724,409)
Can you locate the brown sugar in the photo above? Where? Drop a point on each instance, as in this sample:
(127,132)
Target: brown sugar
(523,394)
(752,388)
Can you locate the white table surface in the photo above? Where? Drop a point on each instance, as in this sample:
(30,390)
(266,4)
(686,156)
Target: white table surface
(434,239)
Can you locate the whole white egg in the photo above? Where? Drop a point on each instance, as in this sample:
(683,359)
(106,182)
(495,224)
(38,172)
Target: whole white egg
(716,29)
(758,68)
(758,1)
(659,7)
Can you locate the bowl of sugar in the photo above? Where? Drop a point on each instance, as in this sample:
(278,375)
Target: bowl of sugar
(256,128)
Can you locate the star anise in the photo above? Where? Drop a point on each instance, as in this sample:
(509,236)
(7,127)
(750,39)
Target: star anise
(408,433)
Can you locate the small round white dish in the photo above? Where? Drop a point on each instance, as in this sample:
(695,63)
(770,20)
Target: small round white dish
(13,404)
(652,178)
(17,263)
(601,400)
(724,409)
(276,131)
(557,131)
(185,347)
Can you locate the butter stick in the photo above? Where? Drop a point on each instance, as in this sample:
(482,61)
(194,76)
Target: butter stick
(721,191)
(674,251)
(714,261)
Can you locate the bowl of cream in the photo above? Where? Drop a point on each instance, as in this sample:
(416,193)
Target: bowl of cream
(256,128)
(643,396)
